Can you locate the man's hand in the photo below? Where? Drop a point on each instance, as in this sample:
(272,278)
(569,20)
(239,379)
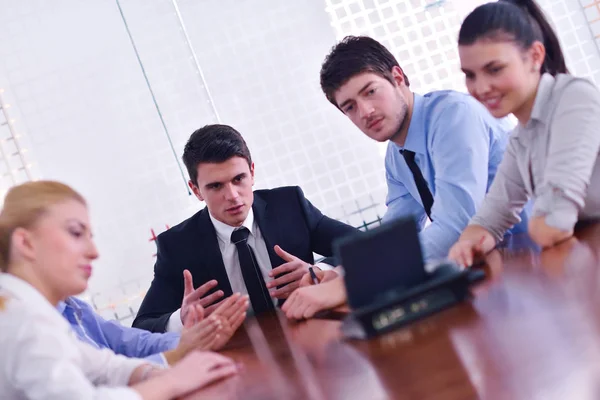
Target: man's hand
(293,268)
(307,301)
(192,298)
(231,315)
(322,276)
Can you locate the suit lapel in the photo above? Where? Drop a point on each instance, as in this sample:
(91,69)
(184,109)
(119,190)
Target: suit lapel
(268,227)
(211,254)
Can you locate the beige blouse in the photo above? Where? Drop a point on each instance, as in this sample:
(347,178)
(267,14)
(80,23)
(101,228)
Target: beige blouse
(553,160)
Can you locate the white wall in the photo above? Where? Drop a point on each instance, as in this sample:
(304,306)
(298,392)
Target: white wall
(72,77)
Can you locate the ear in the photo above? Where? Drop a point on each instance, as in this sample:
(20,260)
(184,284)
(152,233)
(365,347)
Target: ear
(537,52)
(22,243)
(398,76)
(252,173)
(195,189)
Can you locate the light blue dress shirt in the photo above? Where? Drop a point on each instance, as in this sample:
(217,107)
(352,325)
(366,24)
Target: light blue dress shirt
(458,147)
(131,342)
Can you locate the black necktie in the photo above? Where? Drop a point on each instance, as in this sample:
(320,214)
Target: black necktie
(426,197)
(257,290)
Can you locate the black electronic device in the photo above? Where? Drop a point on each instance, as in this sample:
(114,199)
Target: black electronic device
(386,280)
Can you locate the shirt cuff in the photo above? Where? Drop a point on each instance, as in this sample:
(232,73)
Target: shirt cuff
(559,211)
(175,324)
(324,266)
(120,374)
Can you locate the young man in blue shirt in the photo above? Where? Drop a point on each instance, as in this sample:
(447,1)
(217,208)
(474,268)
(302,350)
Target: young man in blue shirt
(444,147)
(443,151)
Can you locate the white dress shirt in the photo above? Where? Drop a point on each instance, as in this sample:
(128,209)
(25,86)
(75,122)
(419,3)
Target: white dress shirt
(232,262)
(41,357)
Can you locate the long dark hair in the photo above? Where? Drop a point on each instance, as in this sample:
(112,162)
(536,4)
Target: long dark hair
(521,21)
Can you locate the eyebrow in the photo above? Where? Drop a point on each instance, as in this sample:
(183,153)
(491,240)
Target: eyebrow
(345,103)
(484,67)
(78,222)
(211,184)
(216,183)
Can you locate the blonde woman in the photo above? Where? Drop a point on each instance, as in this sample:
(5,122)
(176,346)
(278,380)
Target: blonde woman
(46,251)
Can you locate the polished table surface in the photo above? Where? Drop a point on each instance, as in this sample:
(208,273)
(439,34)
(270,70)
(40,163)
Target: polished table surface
(531,331)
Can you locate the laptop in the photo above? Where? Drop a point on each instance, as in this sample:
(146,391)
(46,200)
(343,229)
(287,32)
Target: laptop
(381,263)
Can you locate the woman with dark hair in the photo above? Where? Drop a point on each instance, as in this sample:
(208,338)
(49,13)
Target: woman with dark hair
(513,64)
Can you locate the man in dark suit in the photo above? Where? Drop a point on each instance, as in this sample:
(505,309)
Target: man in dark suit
(260,243)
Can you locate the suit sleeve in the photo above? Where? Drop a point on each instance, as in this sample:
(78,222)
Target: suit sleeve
(323,230)
(164,296)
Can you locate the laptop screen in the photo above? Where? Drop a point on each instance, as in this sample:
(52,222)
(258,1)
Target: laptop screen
(381,261)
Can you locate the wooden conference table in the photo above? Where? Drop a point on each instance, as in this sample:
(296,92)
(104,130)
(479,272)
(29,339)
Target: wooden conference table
(532,331)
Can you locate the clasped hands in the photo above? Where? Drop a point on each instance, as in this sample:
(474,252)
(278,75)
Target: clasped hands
(209,323)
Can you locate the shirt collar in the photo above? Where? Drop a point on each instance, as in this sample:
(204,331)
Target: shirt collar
(71,304)
(224,231)
(24,291)
(417,133)
(541,99)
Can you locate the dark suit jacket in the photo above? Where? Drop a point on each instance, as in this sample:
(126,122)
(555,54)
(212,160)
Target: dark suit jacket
(284,216)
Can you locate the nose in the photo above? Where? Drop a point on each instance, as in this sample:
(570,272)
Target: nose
(92,251)
(481,87)
(365,109)
(230,192)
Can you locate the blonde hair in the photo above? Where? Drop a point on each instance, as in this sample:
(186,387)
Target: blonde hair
(24,205)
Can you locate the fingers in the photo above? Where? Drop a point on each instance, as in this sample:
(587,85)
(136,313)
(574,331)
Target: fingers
(201,291)
(211,298)
(310,311)
(206,327)
(296,310)
(188,284)
(293,276)
(284,292)
(239,306)
(288,267)
(290,304)
(306,280)
(215,360)
(299,308)
(328,276)
(237,320)
(465,254)
(209,342)
(221,372)
(284,254)
(225,307)
(305,302)
(210,309)
(206,333)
